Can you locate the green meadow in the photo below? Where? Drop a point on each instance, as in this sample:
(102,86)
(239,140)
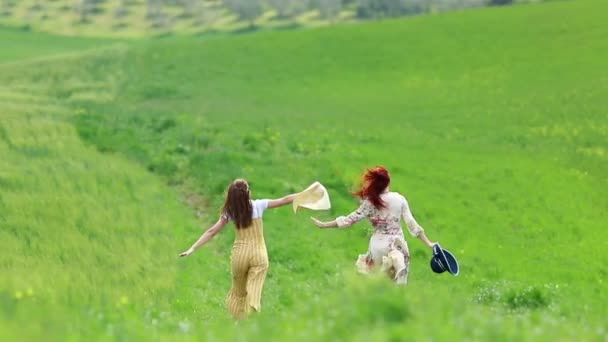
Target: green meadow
(17,45)
(114,157)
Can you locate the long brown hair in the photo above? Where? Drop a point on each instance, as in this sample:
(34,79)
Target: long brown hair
(373,185)
(238,206)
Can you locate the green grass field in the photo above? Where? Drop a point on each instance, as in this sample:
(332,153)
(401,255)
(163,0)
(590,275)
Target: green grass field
(493,123)
(17,46)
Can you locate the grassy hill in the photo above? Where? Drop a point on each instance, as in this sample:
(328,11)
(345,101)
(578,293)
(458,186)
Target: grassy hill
(18,46)
(492,122)
(143,18)
(130,19)
(70,216)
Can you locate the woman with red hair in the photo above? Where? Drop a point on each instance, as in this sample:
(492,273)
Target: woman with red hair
(384,209)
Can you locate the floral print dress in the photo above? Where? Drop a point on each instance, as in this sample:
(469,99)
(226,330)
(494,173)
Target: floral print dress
(387,239)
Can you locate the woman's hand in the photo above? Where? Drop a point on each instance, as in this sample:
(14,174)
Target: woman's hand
(318,223)
(431,244)
(186,253)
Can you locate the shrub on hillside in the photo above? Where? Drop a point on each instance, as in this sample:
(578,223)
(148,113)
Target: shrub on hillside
(370,9)
(500,2)
(247,10)
(122,10)
(289,8)
(6,7)
(451,5)
(153,8)
(516,297)
(528,298)
(329,9)
(86,8)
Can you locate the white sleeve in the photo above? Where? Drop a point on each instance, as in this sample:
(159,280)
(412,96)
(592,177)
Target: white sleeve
(409,219)
(260,206)
(362,212)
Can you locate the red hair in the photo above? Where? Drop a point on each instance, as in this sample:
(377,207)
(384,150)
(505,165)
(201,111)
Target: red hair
(375,181)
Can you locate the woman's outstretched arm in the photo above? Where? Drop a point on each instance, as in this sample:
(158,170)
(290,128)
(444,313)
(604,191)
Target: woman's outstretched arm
(321,224)
(208,235)
(346,221)
(281,201)
(413,226)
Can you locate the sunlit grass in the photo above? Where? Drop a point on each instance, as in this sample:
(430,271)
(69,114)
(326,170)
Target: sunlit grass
(84,239)
(16,45)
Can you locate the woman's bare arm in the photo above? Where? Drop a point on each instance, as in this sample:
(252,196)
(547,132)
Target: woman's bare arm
(208,235)
(321,224)
(281,201)
(413,226)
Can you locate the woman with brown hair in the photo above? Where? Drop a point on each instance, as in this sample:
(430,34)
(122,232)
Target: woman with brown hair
(384,209)
(249,259)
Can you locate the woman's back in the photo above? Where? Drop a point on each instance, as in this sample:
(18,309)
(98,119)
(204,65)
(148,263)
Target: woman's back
(254,233)
(387,220)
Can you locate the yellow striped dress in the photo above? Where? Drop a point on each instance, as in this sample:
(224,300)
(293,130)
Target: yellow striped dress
(249,262)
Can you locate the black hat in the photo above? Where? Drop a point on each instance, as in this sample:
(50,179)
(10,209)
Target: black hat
(443,260)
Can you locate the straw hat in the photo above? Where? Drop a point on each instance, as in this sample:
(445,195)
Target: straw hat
(315,197)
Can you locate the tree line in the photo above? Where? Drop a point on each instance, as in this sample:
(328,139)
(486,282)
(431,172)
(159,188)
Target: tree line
(250,10)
